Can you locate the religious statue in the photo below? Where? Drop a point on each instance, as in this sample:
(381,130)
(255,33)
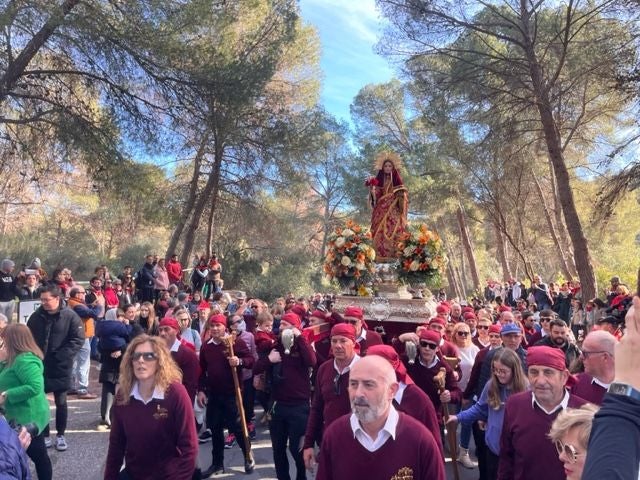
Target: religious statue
(389,200)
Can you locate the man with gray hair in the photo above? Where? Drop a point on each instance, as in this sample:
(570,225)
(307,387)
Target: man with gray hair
(8,288)
(376,438)
(599,366)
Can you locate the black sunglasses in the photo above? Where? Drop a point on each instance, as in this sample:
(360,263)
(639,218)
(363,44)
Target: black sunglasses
(430,345)
(483,327)
(146,356)
(463,334)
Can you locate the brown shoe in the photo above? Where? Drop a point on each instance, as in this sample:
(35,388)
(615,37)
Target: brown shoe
(86,396)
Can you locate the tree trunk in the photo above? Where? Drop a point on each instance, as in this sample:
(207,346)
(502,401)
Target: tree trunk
(564,266)
(209,244)
(191,198)
(468,247)
(560,225)
(210,192)
(554,148)
(501,247)
(453,282)
(16,68)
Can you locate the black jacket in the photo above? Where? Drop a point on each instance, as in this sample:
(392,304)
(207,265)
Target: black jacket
(570,350)
(59,335)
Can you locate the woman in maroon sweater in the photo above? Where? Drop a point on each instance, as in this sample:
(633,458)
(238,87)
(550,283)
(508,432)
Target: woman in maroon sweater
(152,425)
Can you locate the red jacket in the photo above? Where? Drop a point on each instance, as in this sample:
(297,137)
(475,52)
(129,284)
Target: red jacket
(174,270)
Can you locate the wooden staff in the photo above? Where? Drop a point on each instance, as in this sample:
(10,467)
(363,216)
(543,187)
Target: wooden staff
(243,422)
(440,381)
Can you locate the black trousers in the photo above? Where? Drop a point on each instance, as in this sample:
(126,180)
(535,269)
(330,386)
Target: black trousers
(492,462)
(481,451)
(222,411)
(37,452)
(248,399)
(60,398)
(288,423)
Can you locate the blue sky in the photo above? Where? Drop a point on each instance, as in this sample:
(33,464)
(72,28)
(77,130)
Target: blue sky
(348,31)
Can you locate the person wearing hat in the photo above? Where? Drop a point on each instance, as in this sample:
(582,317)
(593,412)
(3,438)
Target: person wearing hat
(526,452)
(410,398)
(321,343)
(376,440)
(8,288)
(238,305)
(184,356)
(216,390)
(364,337)
(446,348)
(612,291)
(331,397)
(291,391)
(428,365)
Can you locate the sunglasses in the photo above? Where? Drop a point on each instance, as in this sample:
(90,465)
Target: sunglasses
(336,384)
(483,327)
(146,356)
(463,334)
(350,321)
(546,319)
(569,451)
(430,345)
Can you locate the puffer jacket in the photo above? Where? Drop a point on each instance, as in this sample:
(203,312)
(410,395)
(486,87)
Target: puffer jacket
(13,459)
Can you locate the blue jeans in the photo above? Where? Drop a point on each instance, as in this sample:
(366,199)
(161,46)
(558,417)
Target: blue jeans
(81,364)
(465,430)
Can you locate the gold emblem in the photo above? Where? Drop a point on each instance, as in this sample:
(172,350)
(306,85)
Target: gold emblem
(161,413)
(405,473)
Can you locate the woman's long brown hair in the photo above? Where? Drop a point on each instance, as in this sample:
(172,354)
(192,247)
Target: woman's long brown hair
(18,339)
(518,382)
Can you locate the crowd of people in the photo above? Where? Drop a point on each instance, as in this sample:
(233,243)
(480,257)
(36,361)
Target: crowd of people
(183,363)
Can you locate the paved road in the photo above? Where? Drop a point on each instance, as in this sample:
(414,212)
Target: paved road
(85,458)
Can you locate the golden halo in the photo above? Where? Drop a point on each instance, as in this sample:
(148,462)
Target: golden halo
(387,155)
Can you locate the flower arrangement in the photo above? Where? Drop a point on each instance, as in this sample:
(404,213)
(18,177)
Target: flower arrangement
(350,255)
(422,258)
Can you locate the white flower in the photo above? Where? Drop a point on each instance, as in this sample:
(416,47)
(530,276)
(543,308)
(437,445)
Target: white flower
(347,232)
(346,261)
(360,266)
(409,250)
(414,266)
(340,242)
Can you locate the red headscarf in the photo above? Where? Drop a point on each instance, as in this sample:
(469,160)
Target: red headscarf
(344,330)
(387,352)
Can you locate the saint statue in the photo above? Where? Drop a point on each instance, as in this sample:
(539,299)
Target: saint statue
(389,200)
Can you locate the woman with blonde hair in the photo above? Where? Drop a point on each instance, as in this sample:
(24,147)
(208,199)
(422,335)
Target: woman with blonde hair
(152,427)
(507,378)
(22,394)
(570,432)
(147,318)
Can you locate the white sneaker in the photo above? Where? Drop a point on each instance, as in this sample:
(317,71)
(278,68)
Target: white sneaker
(47,442)
(61,443)
(465,460)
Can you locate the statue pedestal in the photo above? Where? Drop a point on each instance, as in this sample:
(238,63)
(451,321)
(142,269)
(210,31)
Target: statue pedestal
(388,285)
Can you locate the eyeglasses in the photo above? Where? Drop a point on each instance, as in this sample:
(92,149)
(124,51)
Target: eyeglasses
(494,336)
(350,321)
(569,451)
(430,345)
(546,319)
(483,327)
(336,384)
(463,334)
(164,329)
(586,353)
(500,371)
(146,356)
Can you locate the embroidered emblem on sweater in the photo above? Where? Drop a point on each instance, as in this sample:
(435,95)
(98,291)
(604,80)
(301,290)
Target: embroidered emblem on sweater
(405,473)
(161,413)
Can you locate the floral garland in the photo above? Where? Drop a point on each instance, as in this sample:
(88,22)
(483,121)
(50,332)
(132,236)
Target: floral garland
(422,258)
(350,255)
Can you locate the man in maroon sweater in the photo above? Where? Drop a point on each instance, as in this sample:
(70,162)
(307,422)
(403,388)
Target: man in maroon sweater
(217,390)
(376,440)
(409,398)
(599,367)
(364,337)
(183,355)
(331,398)
(290,392)
(526,453)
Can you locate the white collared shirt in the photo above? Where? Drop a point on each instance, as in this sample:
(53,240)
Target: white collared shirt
(175,346)
(363,335)
(157,394)
(388,431)
(401,388)
(601,383)
(561,406)
(348,367)
(433,363)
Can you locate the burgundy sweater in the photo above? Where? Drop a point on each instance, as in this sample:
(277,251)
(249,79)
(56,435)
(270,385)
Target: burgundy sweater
(156,440)
(326,405)
(591,392)
(423,377)
(418,405)
(295,387)
(526,453)
(187,361)
(413,454)
(215,372)
(373,338)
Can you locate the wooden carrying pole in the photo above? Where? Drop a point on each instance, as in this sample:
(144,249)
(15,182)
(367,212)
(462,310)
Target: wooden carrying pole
(440,381)
(243,421)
